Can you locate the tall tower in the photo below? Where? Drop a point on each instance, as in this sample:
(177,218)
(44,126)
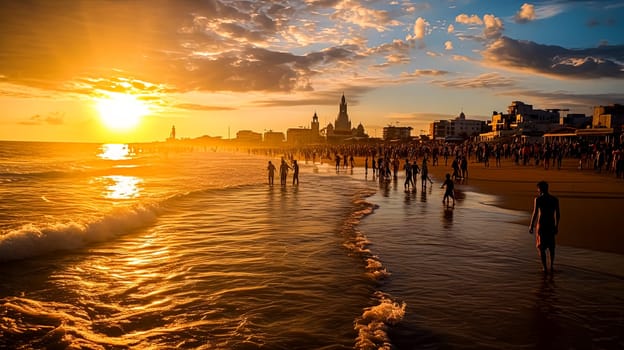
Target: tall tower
(343,124)
(315,125)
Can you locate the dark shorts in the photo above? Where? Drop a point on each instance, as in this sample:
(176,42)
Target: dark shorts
(545,241)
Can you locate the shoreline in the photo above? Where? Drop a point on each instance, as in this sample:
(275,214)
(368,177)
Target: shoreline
(591,203)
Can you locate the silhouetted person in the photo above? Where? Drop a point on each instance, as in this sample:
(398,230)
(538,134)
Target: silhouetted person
(408,175)
(295,173)
(424,173)
(450,190)
(415,172)
(455,166)
(463,165)
(545,218)
(271,169)
(284,172)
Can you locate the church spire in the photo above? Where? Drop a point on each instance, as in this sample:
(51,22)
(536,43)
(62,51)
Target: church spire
(342,122)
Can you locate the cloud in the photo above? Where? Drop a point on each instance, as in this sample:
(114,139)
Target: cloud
(492,25)
(178,46)
(448,45)
(525,14)
(353,12)
(420,27)
(487,80)
(197,107)
(54,118)
(548,11)
(577,102)
(469,20)
(420,30)
(450,29)
(329,97)
(461,58)
(398,59)
(424,73)
(599,62)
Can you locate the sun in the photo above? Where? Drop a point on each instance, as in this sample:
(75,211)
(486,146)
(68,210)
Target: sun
(121,111)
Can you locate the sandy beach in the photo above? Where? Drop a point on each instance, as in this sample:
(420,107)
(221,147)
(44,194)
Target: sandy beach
(591,203)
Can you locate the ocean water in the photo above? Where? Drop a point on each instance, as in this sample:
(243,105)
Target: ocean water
(108,247)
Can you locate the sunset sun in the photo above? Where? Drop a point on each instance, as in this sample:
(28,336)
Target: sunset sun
(121,111)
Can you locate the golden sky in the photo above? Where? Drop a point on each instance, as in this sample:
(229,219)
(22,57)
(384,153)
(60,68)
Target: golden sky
(124,71)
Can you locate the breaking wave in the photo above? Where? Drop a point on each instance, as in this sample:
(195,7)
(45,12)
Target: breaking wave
(35,240)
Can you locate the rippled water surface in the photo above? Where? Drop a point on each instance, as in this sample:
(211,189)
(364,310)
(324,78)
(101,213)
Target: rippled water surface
(107,247)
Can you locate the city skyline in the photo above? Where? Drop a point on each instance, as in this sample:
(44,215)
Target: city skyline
(126,71)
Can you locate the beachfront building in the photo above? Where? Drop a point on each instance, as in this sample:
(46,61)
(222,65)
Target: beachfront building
(610,117)
(273,138)
(341,130)
(305,136)
(458,129)
(397,133)
(534,121)
(522,121)
(607,125)
(576,120)
(248,136)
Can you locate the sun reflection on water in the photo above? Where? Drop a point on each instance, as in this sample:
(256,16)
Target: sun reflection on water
(121,187)
(115,151)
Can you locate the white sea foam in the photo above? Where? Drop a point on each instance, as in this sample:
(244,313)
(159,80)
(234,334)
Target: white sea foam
(372,326)
(34,240)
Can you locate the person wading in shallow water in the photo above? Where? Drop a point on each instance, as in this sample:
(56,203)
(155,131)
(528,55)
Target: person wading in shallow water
(545,218)
(284,172)
(271,170)
(449,193)
(295,167)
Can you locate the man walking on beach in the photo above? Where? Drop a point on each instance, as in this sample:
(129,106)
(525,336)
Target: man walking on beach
(546,215)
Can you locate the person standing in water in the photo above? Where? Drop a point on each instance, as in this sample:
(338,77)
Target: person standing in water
(450,190)
(284,172)
(424,174)
(271,169)
(295,167)
(545,219)
(408,176)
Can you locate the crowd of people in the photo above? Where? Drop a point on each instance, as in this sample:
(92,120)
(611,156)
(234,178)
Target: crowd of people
(385,159)
(283,170)
(384,162)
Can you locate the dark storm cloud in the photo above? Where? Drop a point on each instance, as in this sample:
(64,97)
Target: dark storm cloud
(599,62)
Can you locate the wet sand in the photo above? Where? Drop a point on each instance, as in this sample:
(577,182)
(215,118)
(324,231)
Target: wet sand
(591,203)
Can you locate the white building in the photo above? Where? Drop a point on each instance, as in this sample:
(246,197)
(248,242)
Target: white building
(456,129)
